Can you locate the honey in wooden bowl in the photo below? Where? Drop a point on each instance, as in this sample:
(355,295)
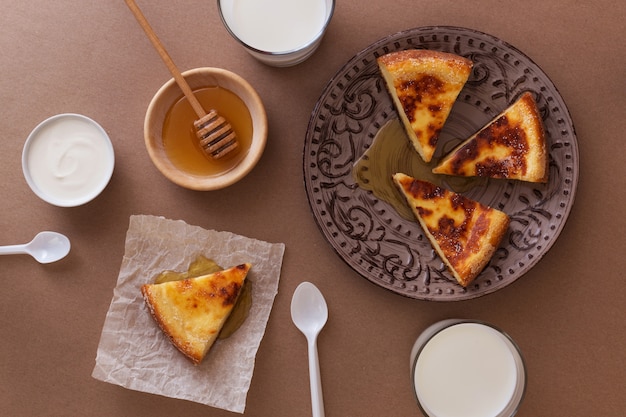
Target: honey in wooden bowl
(171,141)
(179,136)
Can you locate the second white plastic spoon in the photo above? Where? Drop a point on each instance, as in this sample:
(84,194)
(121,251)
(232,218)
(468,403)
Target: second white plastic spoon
(46,247)
(310,313)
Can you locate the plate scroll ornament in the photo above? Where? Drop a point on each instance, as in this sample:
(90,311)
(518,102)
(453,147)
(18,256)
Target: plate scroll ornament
(368,233)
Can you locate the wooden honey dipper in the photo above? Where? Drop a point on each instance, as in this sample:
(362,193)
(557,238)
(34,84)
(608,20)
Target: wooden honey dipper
(215,134)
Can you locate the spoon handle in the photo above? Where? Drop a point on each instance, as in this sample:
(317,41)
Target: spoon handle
(317,400)
(13,250)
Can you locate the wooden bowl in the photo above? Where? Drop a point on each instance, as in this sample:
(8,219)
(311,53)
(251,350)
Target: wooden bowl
(169,94)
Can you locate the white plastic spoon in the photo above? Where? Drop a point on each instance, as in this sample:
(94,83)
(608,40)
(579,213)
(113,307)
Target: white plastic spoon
(309,313)
(46,247)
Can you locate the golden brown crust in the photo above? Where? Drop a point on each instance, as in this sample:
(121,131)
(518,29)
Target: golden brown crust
(424,85)
(464,232)
(191,312)
(512,146)
(435,59)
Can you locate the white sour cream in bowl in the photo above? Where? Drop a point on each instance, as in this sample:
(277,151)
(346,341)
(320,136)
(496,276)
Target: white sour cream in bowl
(68,160)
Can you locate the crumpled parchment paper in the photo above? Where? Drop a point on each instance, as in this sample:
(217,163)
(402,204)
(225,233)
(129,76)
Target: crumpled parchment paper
(134,353)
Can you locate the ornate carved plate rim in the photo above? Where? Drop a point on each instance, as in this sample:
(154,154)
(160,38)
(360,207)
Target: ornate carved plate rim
(368,234)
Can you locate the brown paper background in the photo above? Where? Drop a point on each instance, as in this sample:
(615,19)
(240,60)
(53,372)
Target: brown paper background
(90,57)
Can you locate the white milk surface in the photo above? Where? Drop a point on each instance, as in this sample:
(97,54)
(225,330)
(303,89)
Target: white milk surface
(466,370)
(277,25)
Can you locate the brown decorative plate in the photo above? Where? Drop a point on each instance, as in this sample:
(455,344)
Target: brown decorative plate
(368,233)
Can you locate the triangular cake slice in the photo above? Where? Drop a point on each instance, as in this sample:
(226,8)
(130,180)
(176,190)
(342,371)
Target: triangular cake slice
(424,86)
(464,232)
(512,146)
(191,312)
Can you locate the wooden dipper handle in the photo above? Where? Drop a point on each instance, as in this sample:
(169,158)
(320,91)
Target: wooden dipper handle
(178,77)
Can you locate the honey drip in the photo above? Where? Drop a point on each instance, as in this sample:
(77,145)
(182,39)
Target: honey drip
(179,135)
(391,152)
(204,266)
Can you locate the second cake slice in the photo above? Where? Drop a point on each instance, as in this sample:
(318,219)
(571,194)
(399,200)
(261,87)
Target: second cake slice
(511,146)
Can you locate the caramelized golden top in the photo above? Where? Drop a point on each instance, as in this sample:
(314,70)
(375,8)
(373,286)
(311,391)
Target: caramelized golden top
(463,231)
(453,220)
(424,86)
(511,146)
(192,311)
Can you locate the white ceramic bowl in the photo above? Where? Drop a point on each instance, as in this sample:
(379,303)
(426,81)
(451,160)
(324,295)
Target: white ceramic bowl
(169,94)
(68,160)
(275,39)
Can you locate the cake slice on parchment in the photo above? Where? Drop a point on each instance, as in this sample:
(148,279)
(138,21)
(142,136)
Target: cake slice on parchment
(464,232)
(511,146)
(424,85)
(191,312)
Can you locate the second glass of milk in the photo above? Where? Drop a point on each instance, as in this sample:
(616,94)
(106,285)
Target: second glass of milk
(466,368)
(277,32)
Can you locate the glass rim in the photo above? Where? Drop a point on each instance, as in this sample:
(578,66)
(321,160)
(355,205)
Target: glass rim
(301,48)
(517,396)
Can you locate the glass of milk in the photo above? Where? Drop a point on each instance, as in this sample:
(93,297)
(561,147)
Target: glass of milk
(467,368)
(280,33)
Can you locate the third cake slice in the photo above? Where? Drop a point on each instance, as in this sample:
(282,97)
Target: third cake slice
(511,146)
(464,232)
(191,312)
(424,85)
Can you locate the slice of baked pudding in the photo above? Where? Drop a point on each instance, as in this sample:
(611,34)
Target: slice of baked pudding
(191,312)
(464,232)
(511,146)
(424,85)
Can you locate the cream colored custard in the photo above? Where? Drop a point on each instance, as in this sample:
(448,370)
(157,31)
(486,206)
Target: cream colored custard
(68,160)
(468,370)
